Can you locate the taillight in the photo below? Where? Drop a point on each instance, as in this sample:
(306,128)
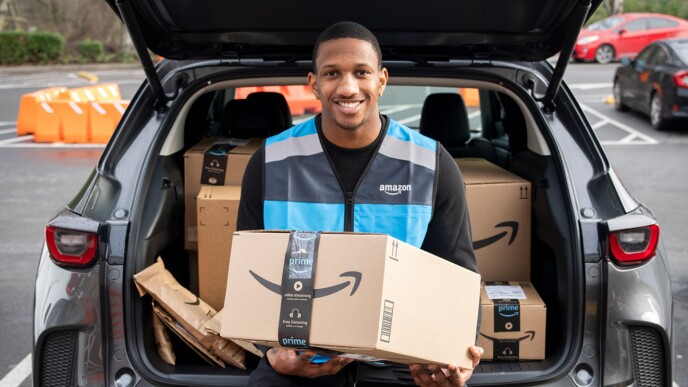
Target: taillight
(681,79)
(633,246)
(71,248)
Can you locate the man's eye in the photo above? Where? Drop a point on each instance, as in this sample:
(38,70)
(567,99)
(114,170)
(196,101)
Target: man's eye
(330,74)
(363,73)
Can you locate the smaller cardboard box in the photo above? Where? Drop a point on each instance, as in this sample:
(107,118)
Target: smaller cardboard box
(366,296)
(218,207)
(514,320)
(499,204)
(213,161)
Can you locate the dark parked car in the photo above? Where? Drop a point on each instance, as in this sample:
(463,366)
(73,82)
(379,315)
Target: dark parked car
(597,257)
(625,34)
(655,83)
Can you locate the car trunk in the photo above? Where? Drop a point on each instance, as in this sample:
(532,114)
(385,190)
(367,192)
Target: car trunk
(556,263)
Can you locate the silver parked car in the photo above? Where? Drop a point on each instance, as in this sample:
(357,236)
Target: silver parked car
(597,257)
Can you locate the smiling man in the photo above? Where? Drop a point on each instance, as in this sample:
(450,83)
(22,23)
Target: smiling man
(351,168)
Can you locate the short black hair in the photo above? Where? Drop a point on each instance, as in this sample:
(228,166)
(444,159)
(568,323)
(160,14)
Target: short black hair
(344,30)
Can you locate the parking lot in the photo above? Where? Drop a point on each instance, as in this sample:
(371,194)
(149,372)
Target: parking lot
(40,178)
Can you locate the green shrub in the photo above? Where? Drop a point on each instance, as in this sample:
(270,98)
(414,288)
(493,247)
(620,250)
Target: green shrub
(91,50)
(13,47)
(44,47)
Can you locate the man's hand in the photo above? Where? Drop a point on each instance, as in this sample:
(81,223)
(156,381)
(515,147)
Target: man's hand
(288,362)
(453,376)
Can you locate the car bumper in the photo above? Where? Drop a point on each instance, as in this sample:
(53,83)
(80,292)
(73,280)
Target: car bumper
(66,326)
(639,324)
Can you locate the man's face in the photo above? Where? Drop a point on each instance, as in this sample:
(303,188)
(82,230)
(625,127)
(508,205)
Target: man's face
(348,82)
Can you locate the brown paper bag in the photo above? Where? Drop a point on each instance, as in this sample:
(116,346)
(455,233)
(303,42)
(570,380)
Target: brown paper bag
(213,327)
(183,334)
(186,309)
(162,341)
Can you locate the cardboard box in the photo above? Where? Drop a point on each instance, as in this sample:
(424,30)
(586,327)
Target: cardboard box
(217,216)
(375,297)
(213,161)
(499,204)
(514,320)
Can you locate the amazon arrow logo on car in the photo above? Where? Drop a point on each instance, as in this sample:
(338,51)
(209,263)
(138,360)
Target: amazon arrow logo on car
(511,228)
(322,292)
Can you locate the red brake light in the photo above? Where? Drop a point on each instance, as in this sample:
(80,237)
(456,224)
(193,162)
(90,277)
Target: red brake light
(681,79)
(71,248)
(633,246)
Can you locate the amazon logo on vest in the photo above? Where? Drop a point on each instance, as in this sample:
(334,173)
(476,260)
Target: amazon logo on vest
(394,189)
(509,227)
(322,292)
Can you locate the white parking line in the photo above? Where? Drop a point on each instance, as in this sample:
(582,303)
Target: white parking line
(409,119)
(18,374)
(628,140)
(15,139)
(3,123)
(7,131)
(588,86)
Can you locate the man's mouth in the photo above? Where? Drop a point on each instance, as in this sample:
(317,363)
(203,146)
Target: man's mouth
(349,107)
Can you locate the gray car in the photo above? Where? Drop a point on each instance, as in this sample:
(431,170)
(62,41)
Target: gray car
(597,257)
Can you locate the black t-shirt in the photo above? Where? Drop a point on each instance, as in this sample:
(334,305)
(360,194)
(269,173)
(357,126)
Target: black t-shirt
(448,235)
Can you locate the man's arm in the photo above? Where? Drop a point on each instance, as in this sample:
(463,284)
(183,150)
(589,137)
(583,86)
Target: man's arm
(250,216)
(449,231)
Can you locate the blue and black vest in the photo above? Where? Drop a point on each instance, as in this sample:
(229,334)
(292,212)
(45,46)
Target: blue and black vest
(394,196)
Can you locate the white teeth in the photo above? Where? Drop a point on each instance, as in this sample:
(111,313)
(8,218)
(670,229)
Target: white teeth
(349,104)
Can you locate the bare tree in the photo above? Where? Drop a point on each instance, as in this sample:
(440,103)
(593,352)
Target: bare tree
(613,7)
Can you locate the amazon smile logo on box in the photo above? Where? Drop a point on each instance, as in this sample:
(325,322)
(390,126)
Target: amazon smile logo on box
(317,293)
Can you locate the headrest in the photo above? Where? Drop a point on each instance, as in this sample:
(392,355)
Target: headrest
(244,118)
(444,118)
(271,98)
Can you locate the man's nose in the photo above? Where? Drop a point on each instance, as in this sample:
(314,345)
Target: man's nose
(348,85)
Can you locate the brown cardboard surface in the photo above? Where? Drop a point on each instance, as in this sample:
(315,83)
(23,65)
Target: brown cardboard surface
(217,214)
(499,204)
(525,343)
(237,159)
(410,306)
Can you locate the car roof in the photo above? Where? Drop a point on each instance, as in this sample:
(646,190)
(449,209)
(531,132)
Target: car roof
(528,30)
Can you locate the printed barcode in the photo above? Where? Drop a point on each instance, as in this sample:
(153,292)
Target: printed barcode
(387,314)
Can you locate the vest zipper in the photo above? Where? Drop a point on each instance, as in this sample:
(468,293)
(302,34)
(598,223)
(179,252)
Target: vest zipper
(349,212)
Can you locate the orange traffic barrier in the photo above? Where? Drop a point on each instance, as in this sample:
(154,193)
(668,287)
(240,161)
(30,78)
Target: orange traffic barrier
(62,121)
(470,97)
(29,106)
(69,115)
(104,117)
(100,92)
(300,98)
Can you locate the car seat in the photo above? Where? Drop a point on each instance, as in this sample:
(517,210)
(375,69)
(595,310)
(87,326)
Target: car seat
(444,118)
(257,116)
(270,98)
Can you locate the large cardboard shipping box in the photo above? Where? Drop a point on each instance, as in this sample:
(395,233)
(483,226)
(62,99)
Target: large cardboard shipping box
(213,161)
(217,216)
(514,320)
(499,204)
(367,296)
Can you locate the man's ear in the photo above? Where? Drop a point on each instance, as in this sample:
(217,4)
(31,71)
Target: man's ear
(384,77)
(312,83)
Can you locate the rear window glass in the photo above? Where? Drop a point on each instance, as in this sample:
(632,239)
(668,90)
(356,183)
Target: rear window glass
(605,24)
(402,103)
(658,22)
(682,52)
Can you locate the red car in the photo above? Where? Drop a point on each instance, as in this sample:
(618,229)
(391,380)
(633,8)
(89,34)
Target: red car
(625,35)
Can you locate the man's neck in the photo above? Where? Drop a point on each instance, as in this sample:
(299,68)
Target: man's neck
(356,138)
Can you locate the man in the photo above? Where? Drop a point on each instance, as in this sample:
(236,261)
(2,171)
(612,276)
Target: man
(328,174)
